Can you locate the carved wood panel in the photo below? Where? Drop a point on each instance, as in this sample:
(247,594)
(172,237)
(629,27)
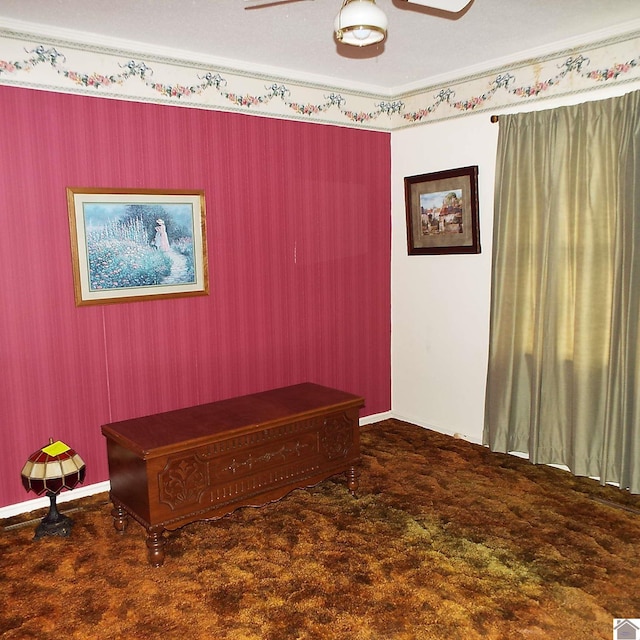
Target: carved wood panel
(248,464)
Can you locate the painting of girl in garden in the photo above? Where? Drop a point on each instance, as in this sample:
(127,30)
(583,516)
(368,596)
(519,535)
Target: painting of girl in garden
(137,245)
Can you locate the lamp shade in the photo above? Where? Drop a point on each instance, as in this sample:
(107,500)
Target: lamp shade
(360,23)
(53,468)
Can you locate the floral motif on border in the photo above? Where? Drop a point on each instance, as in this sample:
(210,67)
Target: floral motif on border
(506,82)
(133,69)
(574,66)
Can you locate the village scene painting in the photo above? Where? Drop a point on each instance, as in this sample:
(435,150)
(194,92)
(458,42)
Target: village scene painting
(441,212)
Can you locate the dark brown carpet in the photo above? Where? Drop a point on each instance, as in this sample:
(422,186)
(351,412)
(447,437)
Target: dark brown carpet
(446,540)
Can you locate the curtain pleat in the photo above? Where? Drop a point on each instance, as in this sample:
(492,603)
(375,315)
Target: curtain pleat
(564,358)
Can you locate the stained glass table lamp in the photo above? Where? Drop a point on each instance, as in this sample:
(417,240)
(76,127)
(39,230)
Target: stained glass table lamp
(50,470)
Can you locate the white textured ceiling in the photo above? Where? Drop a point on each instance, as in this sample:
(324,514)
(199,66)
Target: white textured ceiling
(297,38)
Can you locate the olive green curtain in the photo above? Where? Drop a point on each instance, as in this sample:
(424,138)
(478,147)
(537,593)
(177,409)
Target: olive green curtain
(563,379)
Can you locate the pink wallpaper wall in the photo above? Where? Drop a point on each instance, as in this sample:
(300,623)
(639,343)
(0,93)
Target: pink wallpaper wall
(298,230)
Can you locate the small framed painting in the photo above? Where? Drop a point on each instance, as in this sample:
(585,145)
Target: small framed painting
(137,244)
(442,212)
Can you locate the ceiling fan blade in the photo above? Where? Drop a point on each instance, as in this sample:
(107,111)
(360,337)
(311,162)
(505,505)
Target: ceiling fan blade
(271,3)
(454,6)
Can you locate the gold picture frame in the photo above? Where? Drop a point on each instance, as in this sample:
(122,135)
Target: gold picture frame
(137,244)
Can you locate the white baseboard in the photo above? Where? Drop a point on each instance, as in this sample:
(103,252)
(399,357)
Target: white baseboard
(378,417)
(42,503)
(431,427)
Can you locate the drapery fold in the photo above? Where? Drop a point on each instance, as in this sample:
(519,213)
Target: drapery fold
(564,355)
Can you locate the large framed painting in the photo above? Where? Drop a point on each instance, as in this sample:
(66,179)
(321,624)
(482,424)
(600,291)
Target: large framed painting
(442,212)
(137,244)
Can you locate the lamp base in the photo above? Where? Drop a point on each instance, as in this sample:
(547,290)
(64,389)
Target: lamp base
(61,528)
(54,523)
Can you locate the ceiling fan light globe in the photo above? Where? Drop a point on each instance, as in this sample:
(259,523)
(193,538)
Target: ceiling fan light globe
(361,34)
(350,38)
(360,23)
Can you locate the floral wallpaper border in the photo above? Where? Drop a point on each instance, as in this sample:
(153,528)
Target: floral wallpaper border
(56,65)
(615,61)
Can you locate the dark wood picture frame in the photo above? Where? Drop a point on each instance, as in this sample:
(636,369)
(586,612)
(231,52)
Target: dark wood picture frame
(442,212)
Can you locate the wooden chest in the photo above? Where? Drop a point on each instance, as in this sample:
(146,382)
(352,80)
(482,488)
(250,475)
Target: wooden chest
(203,462)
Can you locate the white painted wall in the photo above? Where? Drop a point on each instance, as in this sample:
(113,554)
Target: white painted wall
(440,304)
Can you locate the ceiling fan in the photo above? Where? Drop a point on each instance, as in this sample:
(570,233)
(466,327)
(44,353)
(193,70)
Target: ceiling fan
(360,22)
